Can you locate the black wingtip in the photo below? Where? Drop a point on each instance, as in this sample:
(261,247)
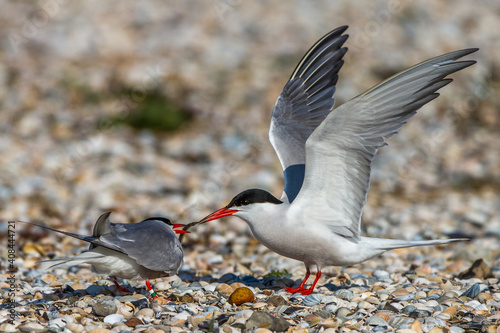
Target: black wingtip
(471,50)
(341,29)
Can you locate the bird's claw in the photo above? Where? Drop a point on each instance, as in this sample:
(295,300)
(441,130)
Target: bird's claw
(295,290)
(307,291)
(300,290)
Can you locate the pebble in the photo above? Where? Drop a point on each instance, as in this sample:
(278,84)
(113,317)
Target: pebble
(133,322)
(32,327)
(259,318)
(146,312)
(62,167)
(224,289)
(95,289)
(276,300)
(113,319)
(104,306)
(75,328)
(6,327)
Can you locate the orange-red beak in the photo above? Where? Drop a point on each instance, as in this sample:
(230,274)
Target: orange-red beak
(179,226)
(218,214)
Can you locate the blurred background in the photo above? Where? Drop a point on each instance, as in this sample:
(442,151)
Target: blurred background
(163,108)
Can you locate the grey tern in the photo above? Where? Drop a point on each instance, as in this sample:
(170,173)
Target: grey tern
(145,250)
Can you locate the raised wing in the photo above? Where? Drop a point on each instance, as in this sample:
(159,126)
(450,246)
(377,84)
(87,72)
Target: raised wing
(340,151)
(101,226)
(305,101)
(151,243)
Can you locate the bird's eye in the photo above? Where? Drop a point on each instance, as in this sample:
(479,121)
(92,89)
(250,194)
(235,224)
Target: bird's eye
(246,202)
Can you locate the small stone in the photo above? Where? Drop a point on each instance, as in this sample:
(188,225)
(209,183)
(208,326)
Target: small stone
(245,314)
(265,320)
(100,330)
(312,319)
(95,289)
(384,315)
(146,312)
(224,289)
(161,285)
(6,327)
(127,310)
(127,298)
(437,329)
(236,285)
(262,330)
(483,297)
(276,300)
(133,322)
(33,249)
(113,319)
(31,327)
(187,298)
(473,291)
(373,300)
(51,297)
(312,299)
(195,320)
(343,312)
(451,310)
(329,323)
(259,305)
(416,326)
(241,295)
(104,307)
(479,269)
(75,328)
(399,292)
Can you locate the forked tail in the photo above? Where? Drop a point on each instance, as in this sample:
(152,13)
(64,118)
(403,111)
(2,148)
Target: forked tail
(83,258)
(390,244)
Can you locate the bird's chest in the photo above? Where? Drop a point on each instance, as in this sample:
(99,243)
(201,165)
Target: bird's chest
(289,239)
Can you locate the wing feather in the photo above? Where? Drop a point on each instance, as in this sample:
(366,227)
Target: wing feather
(339,153)
(305,101)
(151,243)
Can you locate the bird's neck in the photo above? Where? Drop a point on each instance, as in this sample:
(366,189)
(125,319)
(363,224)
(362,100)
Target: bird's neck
(265,220)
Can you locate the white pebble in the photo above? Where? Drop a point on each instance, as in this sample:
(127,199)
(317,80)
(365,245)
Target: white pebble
(114,318)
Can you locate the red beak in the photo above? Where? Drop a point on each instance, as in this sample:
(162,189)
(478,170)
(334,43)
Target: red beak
(179,226)
(218,214)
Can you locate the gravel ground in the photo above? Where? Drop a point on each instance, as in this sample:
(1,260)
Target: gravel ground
(72,72)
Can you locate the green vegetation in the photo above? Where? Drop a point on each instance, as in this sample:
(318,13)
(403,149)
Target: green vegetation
(136,107)
(277,273)
(154,111)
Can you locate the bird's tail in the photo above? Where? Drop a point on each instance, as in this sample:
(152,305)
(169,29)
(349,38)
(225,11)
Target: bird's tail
(83,258)
(390,244)
(83,238)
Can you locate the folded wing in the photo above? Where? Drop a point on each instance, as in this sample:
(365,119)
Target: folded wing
(151,243)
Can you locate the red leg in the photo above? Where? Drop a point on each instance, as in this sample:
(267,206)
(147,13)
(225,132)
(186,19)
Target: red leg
(120,288)
(300,288)
(151,291)
(310,290)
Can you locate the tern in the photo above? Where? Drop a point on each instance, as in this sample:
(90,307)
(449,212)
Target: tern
(145,250)
(326,155)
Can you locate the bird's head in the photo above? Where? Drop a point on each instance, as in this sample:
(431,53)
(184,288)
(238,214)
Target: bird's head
(248,201)
(168,222)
